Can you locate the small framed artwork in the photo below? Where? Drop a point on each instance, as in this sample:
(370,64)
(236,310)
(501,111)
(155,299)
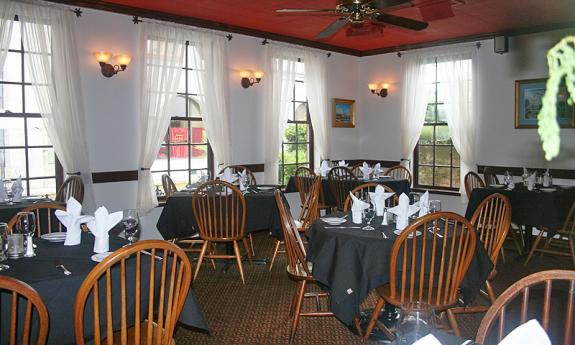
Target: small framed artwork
(343,113)
(528,102)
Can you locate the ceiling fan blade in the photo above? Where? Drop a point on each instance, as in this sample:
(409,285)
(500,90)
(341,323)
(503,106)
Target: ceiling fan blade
(385,4)
(301,10)
(332,28)
(412,24)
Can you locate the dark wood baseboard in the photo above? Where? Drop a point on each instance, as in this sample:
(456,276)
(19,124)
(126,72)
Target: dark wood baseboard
(518,171)
(114,176)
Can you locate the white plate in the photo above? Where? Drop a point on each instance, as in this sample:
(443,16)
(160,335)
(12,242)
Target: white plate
(100,257)
(497,185)
(54,237)
(266,188)
(547,189)
(334,221)
(398,232)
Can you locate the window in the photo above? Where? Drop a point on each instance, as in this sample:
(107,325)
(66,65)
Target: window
(297,144)
(25,149)
(185,152)
(436,162)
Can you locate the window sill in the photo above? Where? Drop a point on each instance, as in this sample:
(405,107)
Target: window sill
(437,191)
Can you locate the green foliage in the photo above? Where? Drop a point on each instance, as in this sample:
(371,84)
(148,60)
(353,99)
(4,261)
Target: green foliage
(561,62)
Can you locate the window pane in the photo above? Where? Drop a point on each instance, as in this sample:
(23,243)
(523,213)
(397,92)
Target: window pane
(12,68)
(430,113)
(443,155)
(161,162)
(456,161)
(442,135)
(42,186)
(180,178)
(31,102)
(425,176)
(455,177)
(182,86)
(302,154)
(290,133)
(37,134)
(11,131)
(193,86)
(158,180)
(441,114)
(193,107)
(199,135)
(16,39)
(14,162)
(442,177)
(425,155)
(10,98)
(300,94)
(179,133)
(302,132)
(289,170)
(426,135)
(301,112)
(179,157)
(289,153)
(199,157)
(41,162)
(179,106)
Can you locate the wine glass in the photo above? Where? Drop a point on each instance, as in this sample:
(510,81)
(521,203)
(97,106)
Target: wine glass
(416,320)
(131,222)
(368,215)
(9,191)
(4,232)
(434,206)
(26,224)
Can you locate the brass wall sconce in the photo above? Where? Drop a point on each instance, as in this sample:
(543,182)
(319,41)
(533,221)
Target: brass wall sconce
(381,92)
(249,78)
(109,70)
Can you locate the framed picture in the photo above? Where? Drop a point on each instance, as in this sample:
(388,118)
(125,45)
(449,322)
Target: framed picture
(343,113)
(528,95)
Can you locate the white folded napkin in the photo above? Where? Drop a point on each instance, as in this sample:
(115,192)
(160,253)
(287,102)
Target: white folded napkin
(357,207)
(531,180)
(424,204)
(241,176)
(99,226)
(377,168)
(403,210)
(429,339)
(378,198)
(365,170)
(228,176)
(324,168)
(17,190)
(342,164)
(529,333)
(2,191)
(72,219)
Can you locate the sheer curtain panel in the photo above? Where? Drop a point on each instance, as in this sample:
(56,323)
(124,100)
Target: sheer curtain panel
(48,35)
(163,51)
(6,21)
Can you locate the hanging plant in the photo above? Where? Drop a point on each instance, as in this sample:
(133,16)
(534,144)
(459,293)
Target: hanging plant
(561,61)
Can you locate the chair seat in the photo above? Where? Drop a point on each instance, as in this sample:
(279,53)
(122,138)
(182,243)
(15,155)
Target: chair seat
(385,293)
(143,336)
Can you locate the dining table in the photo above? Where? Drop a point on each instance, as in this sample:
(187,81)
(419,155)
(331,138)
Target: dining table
(350,262)
(9,210)
(58,290)
(398,185)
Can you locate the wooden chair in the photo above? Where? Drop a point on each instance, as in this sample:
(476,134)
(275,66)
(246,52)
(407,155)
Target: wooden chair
(341,182)
(362,190)
(399,172)
(303,180)
(298,269)
(236,169)
(472,180)
(35,310)
(309,214)
(45,218)
(158,293)
(220,211)
(490,176)
(355,169)
(444,267)
(491,220)
(168,185)
(495,325)
(561,243)
(72,187)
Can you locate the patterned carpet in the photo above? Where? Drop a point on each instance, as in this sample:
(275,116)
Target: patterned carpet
(257,313)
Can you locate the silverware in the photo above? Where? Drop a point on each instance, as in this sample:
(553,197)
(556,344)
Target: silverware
(342,227)
(438,234)
(66,272)
(383,234)
(159,258)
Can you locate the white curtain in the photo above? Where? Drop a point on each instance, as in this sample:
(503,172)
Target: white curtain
(455,69)
(48,35)
(279,82)
(6,23)
(414,103)
(163,52)
(315,80)
(211,57)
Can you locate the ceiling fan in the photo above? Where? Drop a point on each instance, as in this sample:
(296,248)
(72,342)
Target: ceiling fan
(357,12)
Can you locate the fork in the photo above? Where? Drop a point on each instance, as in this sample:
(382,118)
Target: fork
(66,272)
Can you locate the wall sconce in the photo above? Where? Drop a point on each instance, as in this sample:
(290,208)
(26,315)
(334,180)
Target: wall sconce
(108,69)
(382,92)
(249,78)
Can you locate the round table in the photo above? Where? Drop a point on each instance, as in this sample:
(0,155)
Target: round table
(351,262)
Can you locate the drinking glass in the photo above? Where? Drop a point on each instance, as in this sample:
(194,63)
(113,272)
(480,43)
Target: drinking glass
(434,206)
(26,225)
(368,214)
(9,192)
(131,222)
(4,232)
(416,320)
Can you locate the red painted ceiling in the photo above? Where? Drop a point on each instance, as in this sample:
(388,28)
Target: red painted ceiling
(471,18)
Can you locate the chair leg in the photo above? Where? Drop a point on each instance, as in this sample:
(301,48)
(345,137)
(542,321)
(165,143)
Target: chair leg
(297,311)
(503,255)
(358,327)
(276,250)
(239,260)
(252,244)
(490,292)
(571,249)
(533,248)
(248,250)
(201,258)
(374,317)
(515,241)
(453,322)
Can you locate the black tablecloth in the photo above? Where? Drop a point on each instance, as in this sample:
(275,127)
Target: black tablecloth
(399,186)
(8,211)
(58,291)
(352,262)
(535,208)
(177,219)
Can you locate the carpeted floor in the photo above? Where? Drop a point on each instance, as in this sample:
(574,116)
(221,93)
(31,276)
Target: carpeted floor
(257,313)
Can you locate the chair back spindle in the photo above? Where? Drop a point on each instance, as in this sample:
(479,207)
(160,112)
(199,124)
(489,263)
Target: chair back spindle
(168,185)
(472,181)
(72,187)
(341,182)
(304,177)
(399,172)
